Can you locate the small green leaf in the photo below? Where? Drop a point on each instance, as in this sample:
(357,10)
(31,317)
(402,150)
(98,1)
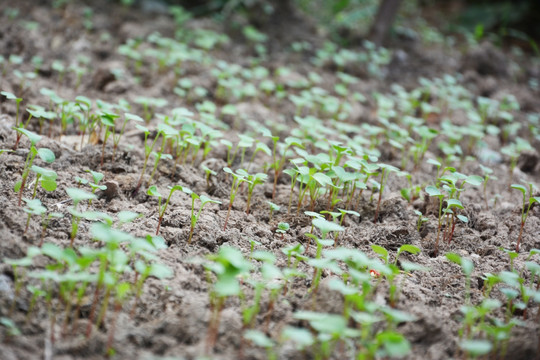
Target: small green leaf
(411,249)
(433,191)
(476,347)
(78,195)
(463,218)
(380,251)
(46,155)
(326,226)
(519,187)
(153,191)
(454,203)
(33,137)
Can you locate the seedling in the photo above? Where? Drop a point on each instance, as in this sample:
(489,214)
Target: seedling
(44,177)
(421,220)
(209,172)
(33,207)
(228,264)
(253,180)
(282,229)
(44,153)
(147,152)
(10,96)
(385,168)
(237,180)
(273,208)
(97,177)
(107,120)
(118,136)
(166,132)
(195,217)
(153,191)
(77,195)
(527,202)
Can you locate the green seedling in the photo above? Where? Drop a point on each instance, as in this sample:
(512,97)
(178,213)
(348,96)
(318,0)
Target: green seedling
(44,153)
(325,227)
(487,175)
(153,191)
(147,152)
(385,169)
(208,172)
(421,220)
(282,229)
(11,328)
(44,177)
(433,191)
(238,178)
(18,100)
(278,164)
(107,120)
(528,201)
(195,217)
(33,207)
(260,339)
(77,195)
(252,181)
(228,264)
(273,208)
(97,177)
(167,132)
(118,136)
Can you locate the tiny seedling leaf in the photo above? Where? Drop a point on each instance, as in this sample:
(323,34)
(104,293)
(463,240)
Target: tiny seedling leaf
(433,191)
(46,155)
(519,187)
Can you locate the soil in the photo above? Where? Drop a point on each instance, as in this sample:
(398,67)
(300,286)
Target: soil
(171,318)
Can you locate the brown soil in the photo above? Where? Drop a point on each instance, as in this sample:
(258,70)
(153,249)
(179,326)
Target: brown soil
(171,318)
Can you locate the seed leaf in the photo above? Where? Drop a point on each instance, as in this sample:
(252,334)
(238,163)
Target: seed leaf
(519,187)
(433,191)
(46,155)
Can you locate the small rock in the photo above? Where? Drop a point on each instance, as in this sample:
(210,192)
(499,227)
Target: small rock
(111,192)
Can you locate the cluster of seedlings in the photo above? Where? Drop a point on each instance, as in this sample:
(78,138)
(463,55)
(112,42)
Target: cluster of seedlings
(335,170)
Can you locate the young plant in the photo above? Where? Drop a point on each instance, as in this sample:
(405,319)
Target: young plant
(44,177)
(44,153)
(97,177)
(282,229)
(77,195)
(385,169)
(147,152)
(237,180)
(528,201)
(273,208)
(10,96)
(252,181)
(118,136)
(195,217)
(153,191)
(107,120)
(33,207)
(228,264)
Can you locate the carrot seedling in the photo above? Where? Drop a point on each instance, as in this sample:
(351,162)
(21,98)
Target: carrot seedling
(526,205)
